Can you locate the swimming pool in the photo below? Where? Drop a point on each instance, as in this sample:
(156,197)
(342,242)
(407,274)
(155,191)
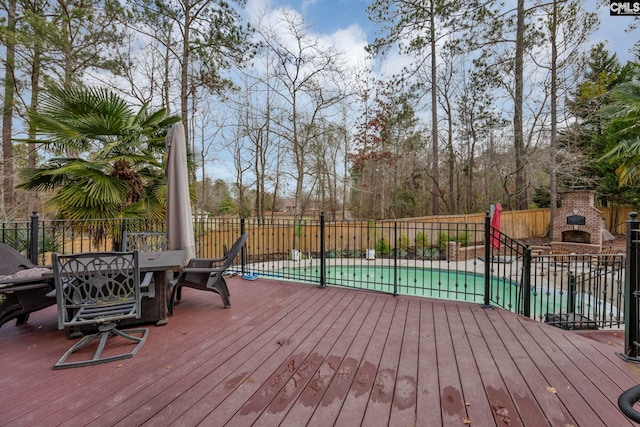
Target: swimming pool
(417,281)
(441,283)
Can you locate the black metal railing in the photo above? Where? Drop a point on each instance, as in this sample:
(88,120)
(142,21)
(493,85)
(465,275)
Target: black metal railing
(632,291)
(628,399)
(434,259)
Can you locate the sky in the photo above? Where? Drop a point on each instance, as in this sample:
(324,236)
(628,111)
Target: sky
(347,22)
(345,25)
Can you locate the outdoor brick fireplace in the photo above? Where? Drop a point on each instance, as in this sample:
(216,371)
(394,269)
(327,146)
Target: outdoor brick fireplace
(577,227)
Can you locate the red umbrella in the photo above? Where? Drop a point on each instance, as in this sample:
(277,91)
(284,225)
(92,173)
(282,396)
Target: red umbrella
(494,239)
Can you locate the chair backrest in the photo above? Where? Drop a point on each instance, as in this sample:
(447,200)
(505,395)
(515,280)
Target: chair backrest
(199,279)
(221,264)
(12,261)
(144,241)
(235,249)
(107,281)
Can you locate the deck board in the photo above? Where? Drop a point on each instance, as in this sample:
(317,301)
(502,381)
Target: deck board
(522,378)
(294,354)
(403,410)
(484,390)
(328,408)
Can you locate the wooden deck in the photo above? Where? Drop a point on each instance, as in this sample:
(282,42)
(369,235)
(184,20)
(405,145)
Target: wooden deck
(293,354)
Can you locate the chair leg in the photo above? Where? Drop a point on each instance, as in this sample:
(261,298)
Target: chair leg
(103,334)
(225,297)
(220,287)
(172,299)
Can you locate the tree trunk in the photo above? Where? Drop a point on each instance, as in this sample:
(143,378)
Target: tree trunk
(520,151)
(553,191)
(184,76)
(7,110)
(32,198)
(435,203)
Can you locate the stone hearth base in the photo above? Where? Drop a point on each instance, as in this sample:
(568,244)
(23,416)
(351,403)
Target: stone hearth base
(575,248)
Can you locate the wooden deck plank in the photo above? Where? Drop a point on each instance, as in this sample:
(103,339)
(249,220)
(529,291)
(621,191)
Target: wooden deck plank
(485,395)
(616,369)
(159,383)
(403,411)
(356,400)
(557,384)
(595,367)
(120,386)
(518,373)
(302,410)
(217,380)
(428,384)
(578,379)
(378,408)
(313,355)
(328,408)
(359,358)
(453,408)
(272,362)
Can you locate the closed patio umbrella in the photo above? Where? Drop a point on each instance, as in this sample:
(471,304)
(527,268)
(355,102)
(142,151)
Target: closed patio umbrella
(179,218)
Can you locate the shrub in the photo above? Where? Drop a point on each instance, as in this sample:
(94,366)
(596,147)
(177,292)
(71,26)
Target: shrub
(463,238)
(422,242)
(443,238)
(403,242)
(383,247)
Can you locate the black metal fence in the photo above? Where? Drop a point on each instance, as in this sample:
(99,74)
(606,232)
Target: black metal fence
(632,289)
(457,261)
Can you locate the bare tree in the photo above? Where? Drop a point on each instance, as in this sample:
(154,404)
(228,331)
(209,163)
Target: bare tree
(308,87)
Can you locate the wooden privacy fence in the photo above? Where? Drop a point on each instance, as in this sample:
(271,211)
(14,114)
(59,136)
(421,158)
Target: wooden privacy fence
(534,223)
(361,235)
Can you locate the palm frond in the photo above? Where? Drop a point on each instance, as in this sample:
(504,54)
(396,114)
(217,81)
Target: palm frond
(117,164)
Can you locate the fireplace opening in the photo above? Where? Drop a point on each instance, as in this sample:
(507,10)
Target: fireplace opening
(576,236)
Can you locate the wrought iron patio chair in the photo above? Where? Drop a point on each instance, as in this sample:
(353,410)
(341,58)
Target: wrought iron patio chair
(207,274)
(145,241)
(100,289)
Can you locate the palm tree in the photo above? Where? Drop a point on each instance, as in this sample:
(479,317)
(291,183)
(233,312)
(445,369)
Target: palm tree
(624,130)
(109,158)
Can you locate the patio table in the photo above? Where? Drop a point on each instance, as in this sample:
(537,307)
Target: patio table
(25,295)
(162,264)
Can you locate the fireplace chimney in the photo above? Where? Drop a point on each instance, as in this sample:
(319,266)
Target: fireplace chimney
(578,224)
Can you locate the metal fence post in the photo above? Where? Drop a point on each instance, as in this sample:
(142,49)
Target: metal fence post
(487,260)
(395,258)
(33,242)
(631,291)
(243,254)
(526,281)
(571,303)
(323,260)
